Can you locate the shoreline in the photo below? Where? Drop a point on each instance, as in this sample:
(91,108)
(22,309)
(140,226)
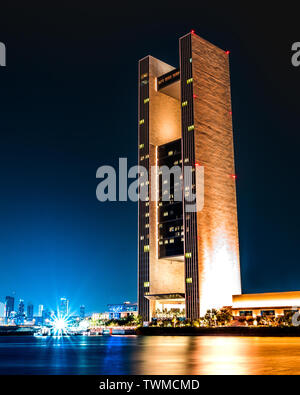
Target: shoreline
(222,331)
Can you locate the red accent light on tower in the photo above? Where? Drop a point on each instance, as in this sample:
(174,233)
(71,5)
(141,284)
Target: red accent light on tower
(193,31)
(197,164)
(233,176)
(195,96)
(230,112)
(227,52)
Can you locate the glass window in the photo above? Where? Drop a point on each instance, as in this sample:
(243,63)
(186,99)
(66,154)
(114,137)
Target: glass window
(265,313)
(246,313)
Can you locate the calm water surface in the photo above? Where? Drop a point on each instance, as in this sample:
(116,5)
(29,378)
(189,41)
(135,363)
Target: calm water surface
(149,355)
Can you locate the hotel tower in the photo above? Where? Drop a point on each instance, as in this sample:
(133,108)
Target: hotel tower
(187,260)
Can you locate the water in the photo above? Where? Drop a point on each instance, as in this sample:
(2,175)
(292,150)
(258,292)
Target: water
(149,355)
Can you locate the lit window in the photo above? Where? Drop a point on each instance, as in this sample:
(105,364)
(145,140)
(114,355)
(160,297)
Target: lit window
(190,128)
(186,160)
(171,241)
(146,248)
(142,121)
(170,153)
(147,215)
(166,214)
(166,242)
(146,284)
(147,156)
(161,243)
(142,158)
(184,104)
(147,226)
(142,237)
(188,255)
(146,100)
(145,75)
(147,204)
(142,146)
(171,229)
(189,280)
(176,163)
(191,59)
(189,81)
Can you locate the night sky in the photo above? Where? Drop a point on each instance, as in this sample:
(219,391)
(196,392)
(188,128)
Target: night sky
(68,105)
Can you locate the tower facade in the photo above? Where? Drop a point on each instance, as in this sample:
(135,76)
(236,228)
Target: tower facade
(9,305)
(188,259)
(64,307)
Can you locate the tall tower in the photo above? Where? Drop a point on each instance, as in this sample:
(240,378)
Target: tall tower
(9,305)
(64,307)
(187,259)
(30,312)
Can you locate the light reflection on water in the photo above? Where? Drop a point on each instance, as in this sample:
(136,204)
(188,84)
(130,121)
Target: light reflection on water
(150,355)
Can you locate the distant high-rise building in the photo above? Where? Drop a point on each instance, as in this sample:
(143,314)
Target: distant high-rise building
(82,311)
(30,312)
(21,308)
(9,305)
(41,308)
(2,310)
(21,312)
(64,306)
(45,315)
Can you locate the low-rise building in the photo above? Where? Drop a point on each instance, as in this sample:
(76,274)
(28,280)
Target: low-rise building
(265,304)
(117,311)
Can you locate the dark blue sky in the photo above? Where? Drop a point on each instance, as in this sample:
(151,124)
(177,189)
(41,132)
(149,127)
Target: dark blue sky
(68,105)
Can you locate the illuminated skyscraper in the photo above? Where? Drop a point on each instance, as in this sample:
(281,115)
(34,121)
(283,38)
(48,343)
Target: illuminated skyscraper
(2,310)
(30,312)
(64,306)
(188,260)
(9,305)
(41,308)
(21,308)
(82,312)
